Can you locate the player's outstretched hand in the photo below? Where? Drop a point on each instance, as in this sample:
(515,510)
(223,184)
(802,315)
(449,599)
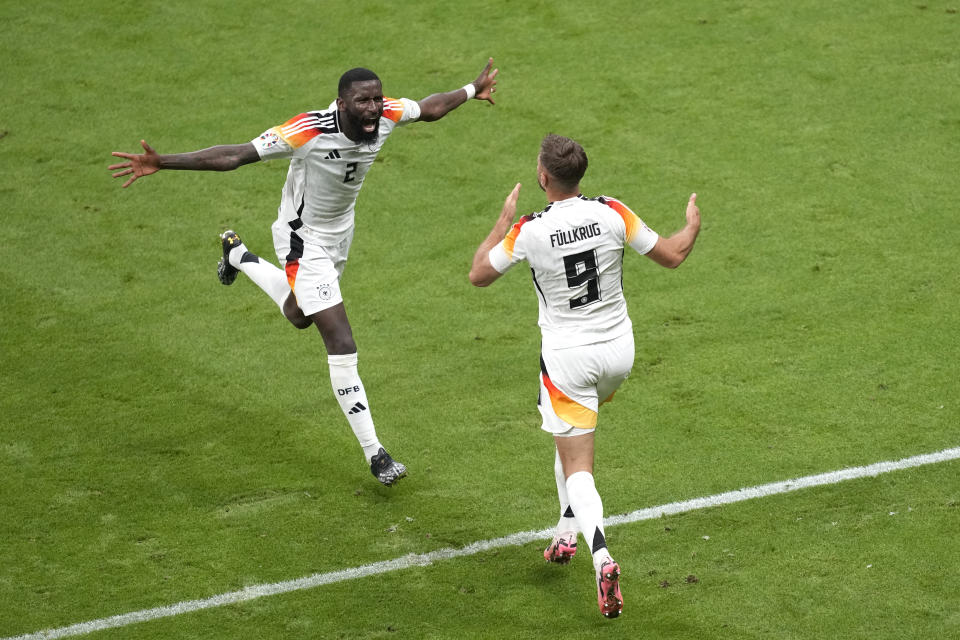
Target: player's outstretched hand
(693,211)
(138,165)
(486,83)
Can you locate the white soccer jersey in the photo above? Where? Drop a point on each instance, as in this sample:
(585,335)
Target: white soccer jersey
(575,251)
(326,169)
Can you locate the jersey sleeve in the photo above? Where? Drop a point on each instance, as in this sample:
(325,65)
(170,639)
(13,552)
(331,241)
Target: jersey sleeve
(510,250)
(637,234)
(283,141)
(401,111)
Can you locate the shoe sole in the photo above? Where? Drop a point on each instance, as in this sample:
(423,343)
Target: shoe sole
(560,554)
(226,272)
(612,606)
(393,480)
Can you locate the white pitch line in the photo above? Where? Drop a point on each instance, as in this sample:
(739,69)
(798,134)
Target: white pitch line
(514,540)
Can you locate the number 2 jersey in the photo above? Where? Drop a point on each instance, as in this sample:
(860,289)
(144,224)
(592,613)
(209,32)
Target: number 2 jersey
(575,251)
(326,168)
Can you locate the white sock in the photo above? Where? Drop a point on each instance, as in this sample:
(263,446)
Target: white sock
(265,275)
(349,392)
(567,520)
(588,509)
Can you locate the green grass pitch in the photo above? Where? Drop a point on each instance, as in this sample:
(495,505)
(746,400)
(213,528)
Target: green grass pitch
(164,438)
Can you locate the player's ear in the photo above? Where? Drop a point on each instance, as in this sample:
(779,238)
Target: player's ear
(340,103)
(542,175)
(543,178)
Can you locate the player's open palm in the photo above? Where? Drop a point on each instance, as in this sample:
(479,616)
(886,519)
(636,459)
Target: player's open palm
(509,210)
(693,211)
(486,83)
(137,165)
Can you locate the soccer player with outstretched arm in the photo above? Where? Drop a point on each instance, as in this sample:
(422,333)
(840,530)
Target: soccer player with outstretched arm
(575,251)
(330,151)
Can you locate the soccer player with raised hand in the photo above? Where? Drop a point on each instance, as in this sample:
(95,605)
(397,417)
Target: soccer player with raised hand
(330,151)
(575,251)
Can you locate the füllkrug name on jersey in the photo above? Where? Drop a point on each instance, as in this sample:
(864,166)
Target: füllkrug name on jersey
(575,251)
(560,238)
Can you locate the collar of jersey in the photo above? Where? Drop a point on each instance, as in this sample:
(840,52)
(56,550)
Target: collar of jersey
(579,196)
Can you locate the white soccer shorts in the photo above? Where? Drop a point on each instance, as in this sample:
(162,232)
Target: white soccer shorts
(313,271)
(574,382)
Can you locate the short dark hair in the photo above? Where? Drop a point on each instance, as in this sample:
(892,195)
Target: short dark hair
(564,159)
(358,74)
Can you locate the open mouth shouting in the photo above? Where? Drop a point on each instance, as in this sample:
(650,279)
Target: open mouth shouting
(370,125)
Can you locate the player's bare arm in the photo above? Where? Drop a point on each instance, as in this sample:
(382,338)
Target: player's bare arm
(220,158)
(671,252)
(482,272)
(436,106)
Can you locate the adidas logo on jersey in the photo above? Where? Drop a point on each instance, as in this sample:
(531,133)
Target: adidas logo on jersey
(357,408)
(333,155)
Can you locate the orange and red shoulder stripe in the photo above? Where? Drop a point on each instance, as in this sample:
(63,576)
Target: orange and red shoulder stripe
(392,109)
(630,219)
(299,130)
(511,238)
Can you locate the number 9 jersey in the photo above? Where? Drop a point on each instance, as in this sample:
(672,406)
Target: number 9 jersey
(575,251)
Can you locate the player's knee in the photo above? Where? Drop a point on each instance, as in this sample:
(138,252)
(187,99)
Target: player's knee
(293,313)
(296,317)
(301,322)
(340,343)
